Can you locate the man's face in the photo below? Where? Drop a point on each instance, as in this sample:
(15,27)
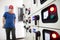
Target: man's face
(11,10)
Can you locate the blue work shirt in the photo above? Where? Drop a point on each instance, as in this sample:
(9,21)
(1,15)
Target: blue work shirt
(9,20)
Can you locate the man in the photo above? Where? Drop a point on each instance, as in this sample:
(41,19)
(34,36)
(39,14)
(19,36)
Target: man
(9,23)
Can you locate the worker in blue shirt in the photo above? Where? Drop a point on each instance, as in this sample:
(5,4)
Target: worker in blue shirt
(9,23)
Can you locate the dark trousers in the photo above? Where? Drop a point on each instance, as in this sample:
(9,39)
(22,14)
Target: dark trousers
(8,33)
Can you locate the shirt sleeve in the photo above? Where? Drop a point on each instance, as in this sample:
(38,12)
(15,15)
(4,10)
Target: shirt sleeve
(4,15)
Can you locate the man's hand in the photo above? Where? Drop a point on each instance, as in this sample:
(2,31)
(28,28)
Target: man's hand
(3,26)
(3,22)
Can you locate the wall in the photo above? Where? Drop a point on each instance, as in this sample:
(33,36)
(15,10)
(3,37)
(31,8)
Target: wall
(19,25)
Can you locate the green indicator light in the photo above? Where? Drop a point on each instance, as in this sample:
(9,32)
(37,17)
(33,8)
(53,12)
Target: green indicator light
(52,16)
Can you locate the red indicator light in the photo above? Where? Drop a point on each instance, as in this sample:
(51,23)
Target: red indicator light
(54,35)
(52,9)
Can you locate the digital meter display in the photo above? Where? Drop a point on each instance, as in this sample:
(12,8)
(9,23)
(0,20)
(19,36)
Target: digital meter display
(47,36)
(45,15)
